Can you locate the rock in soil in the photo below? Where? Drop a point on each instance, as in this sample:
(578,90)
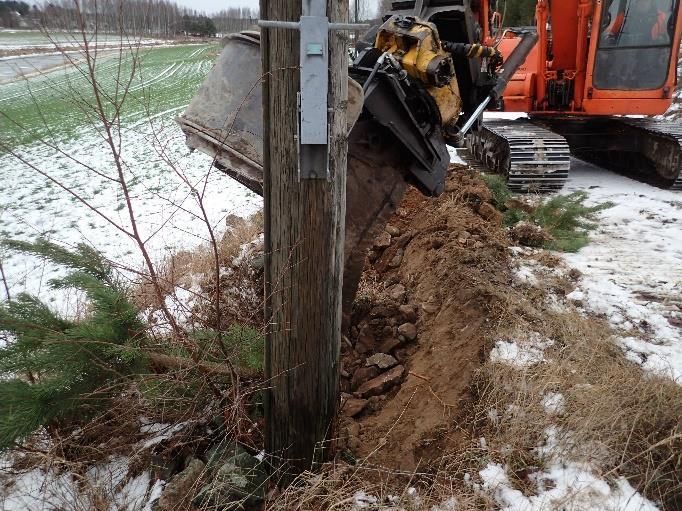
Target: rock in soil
(238,483)
(460,294)
(397,259)
(382,383)
(409,313)
(388,345)
(382,241)
(408,330)
(393,230)
(362,375)
(181,488)
(365,343)
(352,406)
(381,360)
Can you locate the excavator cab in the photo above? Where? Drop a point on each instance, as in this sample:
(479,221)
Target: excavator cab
(635,45)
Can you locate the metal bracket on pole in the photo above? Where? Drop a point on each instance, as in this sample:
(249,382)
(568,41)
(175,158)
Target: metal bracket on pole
(313,103)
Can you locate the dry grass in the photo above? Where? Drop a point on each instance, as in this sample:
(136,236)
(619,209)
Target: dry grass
(343,487)
(188,280)
(201,260)
(616,417)
(186,268)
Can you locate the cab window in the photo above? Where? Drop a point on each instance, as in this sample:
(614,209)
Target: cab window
(635,44)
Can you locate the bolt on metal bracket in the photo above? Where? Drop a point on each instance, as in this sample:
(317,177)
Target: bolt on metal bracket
(313,108)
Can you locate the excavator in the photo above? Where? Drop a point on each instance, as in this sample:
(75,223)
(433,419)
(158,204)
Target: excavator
(422,78)
(599,71)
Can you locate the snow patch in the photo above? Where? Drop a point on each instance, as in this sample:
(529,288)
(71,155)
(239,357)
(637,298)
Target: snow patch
(47,490)
(554,403)
(632,268)
(154,495)
(159,432)
(564,484)
(569,487)
(520,354)
(526,274)
(454,157)
(362,500)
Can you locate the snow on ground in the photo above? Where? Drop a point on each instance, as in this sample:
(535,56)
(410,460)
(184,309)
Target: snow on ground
(520,353)
(47,490)
(38,39)
(17,67)
(632,268)
(568,486)
(167,212)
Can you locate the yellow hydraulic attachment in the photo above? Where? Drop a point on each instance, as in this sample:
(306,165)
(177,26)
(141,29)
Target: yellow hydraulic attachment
(416,45)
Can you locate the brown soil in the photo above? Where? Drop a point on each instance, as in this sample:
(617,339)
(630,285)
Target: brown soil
(454,262)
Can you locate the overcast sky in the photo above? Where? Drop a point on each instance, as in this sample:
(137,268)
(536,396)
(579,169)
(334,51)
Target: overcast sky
(211,6)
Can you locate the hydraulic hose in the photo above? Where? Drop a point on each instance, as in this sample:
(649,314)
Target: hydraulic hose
(511,65)
(470,51)
(514,62)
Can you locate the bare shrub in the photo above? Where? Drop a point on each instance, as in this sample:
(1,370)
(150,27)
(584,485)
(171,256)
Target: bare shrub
(613,414)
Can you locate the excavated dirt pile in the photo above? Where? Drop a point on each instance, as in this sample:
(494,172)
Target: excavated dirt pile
(427,302)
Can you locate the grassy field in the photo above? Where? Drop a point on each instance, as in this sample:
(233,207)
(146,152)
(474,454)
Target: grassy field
(55,105)
(36,38)
(47,125)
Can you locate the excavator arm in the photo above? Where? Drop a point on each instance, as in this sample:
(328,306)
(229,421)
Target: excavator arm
(409,89)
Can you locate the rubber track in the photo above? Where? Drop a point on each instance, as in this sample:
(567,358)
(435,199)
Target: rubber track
(660,128)
(533,158)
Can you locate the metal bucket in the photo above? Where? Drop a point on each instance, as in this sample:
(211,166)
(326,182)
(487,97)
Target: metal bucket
(225,117)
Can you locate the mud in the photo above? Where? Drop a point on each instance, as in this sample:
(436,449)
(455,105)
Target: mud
(441,272)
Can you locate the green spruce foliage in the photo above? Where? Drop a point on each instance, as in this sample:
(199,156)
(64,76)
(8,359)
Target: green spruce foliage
(565,218)
(54,368)
(243,345)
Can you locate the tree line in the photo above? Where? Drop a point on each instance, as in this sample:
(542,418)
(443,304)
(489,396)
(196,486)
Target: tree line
(160,18)
(164,18)
(235,19)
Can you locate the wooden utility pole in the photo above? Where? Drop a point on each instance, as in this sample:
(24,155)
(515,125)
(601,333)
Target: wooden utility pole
(304,236)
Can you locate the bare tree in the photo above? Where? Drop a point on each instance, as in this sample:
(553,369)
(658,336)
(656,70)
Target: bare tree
(235,19)
(103,109)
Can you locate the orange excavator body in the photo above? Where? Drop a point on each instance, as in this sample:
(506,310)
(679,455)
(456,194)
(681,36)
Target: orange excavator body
(590,61)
